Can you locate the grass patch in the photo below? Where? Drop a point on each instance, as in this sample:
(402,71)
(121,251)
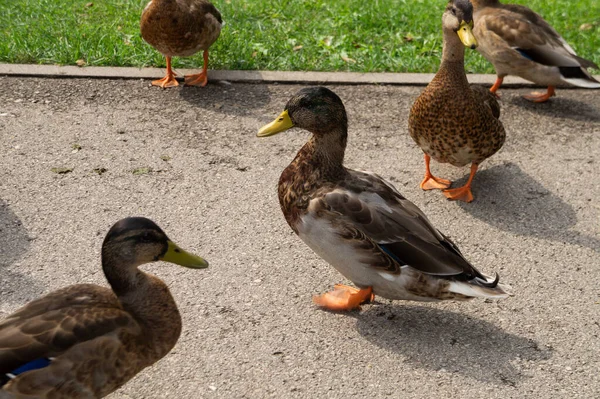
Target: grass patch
(318,35)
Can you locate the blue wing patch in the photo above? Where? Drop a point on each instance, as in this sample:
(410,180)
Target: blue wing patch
(33,365)
(390,253)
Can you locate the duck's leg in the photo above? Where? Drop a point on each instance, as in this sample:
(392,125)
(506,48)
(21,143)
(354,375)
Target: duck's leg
(169,80)
(344,297)
(462,193)
(496,86)
(199,79)
(430,182)
(538,97)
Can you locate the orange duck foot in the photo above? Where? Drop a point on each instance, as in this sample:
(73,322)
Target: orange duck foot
(431,183)
(167,81)
(344,297)
(461,194)
(538,97)
(200,79)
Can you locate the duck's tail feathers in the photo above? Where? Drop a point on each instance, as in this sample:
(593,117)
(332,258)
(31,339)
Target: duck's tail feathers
(579,77)
(481,288)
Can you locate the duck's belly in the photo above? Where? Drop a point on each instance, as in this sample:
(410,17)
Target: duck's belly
(350,261)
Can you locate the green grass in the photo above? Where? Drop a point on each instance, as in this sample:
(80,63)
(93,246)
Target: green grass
(335,35)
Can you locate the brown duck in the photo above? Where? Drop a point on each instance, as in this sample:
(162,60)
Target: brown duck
(359,223)
(180,28)
(518,41)
(86,341)
(452,122)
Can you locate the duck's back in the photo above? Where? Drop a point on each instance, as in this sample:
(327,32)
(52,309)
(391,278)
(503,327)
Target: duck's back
(90,338)
(180,27)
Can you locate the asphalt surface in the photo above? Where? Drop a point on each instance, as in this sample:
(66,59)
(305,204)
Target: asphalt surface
(250,328)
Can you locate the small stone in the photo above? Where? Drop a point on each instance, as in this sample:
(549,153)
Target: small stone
(212,388)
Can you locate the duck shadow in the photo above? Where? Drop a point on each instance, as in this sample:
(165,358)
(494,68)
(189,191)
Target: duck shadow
(239,99)
(14,243)
(560,107)
(510,200)
(442,340)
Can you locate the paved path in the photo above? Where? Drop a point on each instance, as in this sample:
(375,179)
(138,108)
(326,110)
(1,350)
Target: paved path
(250,329)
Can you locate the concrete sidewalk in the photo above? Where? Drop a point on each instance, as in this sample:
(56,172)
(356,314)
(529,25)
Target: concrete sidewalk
(250,328)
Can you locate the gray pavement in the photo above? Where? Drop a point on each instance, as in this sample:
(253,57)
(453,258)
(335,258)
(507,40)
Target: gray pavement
(250,328)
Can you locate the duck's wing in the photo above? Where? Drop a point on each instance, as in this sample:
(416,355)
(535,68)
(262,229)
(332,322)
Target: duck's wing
(49,326)
(372,210)
(531,36)
(484,96)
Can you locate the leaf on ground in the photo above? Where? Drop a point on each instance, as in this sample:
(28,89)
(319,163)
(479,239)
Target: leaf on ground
(165,158)
(62,171)
(76,148)
(142,171)
(80,62)
(298,47)
(100,171)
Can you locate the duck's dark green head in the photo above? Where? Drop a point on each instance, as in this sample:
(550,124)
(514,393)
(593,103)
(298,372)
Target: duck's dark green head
(138,240)
(459,18)
(316,109)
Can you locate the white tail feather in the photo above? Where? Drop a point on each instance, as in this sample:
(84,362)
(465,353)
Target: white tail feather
(474,290)
(588,84)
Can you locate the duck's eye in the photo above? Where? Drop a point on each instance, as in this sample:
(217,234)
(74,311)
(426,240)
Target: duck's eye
(453,11)
(145,238)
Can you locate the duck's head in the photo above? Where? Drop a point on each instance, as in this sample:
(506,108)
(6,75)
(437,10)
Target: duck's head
(316,109)
(138,240)
(458,18)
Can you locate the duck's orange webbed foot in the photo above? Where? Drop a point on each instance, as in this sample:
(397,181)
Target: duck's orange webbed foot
(199,79)
(538,97)
(461,194)
(344,297)
(167,81)
(431,183)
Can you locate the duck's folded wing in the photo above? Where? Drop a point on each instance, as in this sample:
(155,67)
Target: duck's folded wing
(400,229)
(531,36)
(51,325)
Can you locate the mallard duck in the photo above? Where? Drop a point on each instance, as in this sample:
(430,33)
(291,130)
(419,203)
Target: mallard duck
(359,223)
(180,28)
(517,41)
(85,341)
(452,122)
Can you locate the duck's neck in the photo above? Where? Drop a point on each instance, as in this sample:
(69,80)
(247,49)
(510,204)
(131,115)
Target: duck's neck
(147,299)
(453,59)
(320,160)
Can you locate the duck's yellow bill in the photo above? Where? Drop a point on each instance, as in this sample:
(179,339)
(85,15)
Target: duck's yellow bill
(283,122)
(180,257)
(465,33)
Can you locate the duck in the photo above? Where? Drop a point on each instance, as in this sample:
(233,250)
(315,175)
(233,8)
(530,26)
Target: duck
(451,121)
(85,340)
(359,223)
(518,41)
(181,28)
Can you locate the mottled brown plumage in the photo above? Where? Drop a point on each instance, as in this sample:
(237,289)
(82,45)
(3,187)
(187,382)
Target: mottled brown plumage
(452,122)
(359,223)
(518,41)
(180,28)
(97,338)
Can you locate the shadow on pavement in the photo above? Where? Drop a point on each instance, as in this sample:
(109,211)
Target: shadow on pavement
(14,243)
(511,200)
(561,107)
(443,340)
(235,99)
